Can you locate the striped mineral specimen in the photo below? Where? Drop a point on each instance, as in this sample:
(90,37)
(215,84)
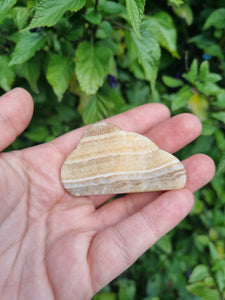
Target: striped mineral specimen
(109,160)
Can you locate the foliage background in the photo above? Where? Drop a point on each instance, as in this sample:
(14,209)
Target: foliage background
(85,60)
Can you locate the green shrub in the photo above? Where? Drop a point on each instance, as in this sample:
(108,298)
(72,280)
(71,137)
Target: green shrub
(85,60)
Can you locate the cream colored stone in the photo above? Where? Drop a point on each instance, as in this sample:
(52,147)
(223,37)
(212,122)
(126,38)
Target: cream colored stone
(109,160)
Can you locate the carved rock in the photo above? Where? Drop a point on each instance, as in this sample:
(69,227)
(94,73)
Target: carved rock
(109,160)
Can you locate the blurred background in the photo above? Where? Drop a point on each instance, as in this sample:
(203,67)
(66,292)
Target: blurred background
(85,60)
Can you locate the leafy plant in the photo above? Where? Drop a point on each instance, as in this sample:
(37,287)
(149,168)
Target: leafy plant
(86,60)
(197,90)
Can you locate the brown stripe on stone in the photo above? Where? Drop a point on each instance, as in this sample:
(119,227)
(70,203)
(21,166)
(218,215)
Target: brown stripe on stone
(130,186)
(115,163)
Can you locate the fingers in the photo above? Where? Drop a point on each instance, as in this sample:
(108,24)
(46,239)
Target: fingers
(138,222)
(175,133)
(139,119)
(200,170)
(117,247)
(16,108)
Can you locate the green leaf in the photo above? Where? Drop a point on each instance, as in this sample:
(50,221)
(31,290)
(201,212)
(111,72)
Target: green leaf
(118,101)
(84,99)
(104,296)
(59,71)
(199,273)
(209,45)
(20,16)
(218,186)
(135,9)
(181,98)
(30,70)
(100,107)
(127,289)
(208,128)
(219,134)
(137,70)
(220,100)
(138,93)
(26,47)
(203,70)
(75,88)
(220,274)
(172,82)
(48,13)
(205,75)
(109,44)
(208,88)
(66,113)
(104,30)
(93,17)
(5,7)
(111,7)
(213,252)
(165,244)
(214,77)
(176,2)
(147,50)
(216,19)
(193,72)
(7,74)
(185,12)
(200,289)
(199,105)
(219,116)
(221,165)
(92,66)
(166,33)
(38,134)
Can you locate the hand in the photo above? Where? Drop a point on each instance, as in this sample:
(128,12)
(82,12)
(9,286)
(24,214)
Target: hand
(56,246)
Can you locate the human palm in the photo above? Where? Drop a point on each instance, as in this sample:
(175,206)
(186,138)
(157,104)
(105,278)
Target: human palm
(57,246)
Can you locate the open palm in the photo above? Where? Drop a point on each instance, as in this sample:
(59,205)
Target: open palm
(56,246)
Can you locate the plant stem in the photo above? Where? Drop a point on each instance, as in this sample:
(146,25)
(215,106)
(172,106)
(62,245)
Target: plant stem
(96,5)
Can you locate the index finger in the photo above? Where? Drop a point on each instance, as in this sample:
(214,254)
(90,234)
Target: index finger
(16,108)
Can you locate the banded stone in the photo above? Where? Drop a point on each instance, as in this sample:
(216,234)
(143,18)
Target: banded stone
(109,160)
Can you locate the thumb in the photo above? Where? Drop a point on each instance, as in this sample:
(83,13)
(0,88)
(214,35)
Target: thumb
(16,109)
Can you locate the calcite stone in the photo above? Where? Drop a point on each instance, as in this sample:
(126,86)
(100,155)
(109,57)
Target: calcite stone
(109,160)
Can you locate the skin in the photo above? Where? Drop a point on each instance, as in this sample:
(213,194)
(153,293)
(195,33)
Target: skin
(56,246)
